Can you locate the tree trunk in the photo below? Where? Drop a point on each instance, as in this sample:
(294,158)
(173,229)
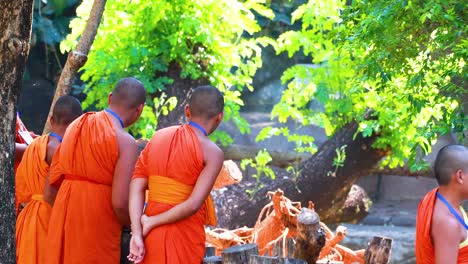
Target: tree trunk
(378,251)
(15,33)
(318,181)
(239,254)
(77,58)
(255,259)
(212,260)
(283,159)
(180,89)
(310,236)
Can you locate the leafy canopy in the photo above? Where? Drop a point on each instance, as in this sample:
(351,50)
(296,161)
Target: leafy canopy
(404,61)
(142,38)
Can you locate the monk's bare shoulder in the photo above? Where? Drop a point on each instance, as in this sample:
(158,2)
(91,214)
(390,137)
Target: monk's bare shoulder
(445,227)
(52,146)
(211,150)
(125,141)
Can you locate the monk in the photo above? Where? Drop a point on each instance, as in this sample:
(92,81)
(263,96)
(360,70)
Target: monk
(179,166)
(93,167)
(32,222)
(441,224)
(23,138)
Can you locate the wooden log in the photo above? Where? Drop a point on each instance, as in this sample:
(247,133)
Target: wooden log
(256,259)
(281,159)
(210,252)
(378,251)
(239,254)
(284,159)
(212,260)
(229,174)
(278,248)
(310,236)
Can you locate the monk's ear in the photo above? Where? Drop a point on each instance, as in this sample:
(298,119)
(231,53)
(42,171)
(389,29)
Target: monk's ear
(220,117)
(140,108)
(51,120)
(187,111)
(460,176)
(109,97)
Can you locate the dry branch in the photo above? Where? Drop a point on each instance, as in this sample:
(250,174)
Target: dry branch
(77,58)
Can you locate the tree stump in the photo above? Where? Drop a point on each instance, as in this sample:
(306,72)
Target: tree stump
(256,259)
(228,175)
(278,248)
(210,252)
(239,254)
(212,260)
(310,236)
(378,251)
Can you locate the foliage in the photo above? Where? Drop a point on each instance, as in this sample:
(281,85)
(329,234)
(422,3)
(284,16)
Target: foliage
(50,24)
(403,61)
(142,38)
(260,164)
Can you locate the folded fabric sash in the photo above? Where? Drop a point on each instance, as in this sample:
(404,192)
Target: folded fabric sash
(81,178)
(169,191)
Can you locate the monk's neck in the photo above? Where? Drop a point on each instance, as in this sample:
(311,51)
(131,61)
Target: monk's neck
(203,124)
(59,130)
(120,113)
(452,197)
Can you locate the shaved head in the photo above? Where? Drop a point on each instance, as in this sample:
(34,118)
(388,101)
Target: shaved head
(129,93)
(66,109)
(449,160)
(206,101)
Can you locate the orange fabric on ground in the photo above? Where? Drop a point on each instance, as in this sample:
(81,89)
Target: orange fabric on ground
(175,153)
(83,227)
(32,222)
(424,246)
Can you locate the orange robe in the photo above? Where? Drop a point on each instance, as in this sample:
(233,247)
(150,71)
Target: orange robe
(424,246)
(83,227)
(172,162)
(32,222)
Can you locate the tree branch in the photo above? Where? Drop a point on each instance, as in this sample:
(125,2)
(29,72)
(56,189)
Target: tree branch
(77,58)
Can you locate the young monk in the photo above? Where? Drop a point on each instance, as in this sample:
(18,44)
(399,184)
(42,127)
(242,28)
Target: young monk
(23,138)
(32,222)
(441,225)
(93,167)
(179,166)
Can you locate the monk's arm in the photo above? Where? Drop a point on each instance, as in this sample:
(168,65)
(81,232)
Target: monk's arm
(446,238)
(137,198)
(52,158)
(19,150)
(128,153)
(214,159)
(50,192)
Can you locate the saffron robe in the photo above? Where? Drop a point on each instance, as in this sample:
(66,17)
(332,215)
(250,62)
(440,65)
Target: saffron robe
(172,162)
(83,227)
(33,221)
(424,247)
